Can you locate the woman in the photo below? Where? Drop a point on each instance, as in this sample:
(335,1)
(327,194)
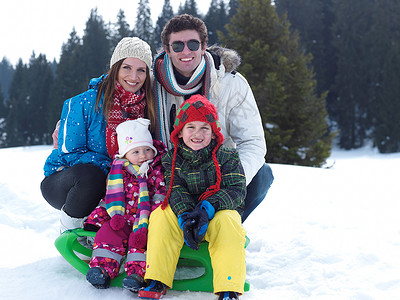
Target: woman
(76,170)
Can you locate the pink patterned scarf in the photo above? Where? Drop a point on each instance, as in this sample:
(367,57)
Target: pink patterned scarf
(126,106)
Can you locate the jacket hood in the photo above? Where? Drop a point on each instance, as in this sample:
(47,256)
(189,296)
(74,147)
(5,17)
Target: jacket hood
(229,58)
(94,82)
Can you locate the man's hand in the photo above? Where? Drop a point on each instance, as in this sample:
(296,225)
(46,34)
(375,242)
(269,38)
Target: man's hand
(55,135)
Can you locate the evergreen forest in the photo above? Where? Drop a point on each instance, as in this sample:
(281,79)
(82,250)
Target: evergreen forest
(323,72)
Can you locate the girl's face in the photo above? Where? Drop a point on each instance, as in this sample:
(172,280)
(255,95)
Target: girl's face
(196,135)
(138,155)
(132,74)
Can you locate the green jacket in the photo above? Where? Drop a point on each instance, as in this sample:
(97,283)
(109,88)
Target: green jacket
(195,172)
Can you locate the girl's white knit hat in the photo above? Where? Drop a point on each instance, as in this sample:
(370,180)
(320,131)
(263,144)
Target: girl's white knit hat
(132,47)
(132,134)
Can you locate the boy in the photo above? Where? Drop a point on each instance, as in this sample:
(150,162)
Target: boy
(207,187)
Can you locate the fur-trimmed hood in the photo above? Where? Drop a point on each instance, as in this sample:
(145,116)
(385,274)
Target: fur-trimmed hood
(229,57)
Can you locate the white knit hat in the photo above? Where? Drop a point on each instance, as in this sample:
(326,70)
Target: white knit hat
(132,134)
(132,47)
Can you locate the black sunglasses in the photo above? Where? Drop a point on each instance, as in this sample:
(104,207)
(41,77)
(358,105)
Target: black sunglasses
(178,46)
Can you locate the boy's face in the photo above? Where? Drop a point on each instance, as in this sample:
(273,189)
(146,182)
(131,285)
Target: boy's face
(185,61)
(139,155)
(196,135)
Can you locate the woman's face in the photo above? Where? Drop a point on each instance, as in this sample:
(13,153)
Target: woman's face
(132,74)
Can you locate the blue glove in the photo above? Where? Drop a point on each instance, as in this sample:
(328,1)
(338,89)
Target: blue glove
(187,225)
(202,213)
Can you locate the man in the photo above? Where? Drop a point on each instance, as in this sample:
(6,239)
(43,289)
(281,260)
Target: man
(186,67)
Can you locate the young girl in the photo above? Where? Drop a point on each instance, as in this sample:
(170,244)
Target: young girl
(135,187)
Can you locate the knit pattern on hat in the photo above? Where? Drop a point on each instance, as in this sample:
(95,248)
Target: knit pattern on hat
(197,108)
(132,134)
(132,47)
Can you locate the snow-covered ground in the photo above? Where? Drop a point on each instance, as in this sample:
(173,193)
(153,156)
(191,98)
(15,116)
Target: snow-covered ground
(320,233)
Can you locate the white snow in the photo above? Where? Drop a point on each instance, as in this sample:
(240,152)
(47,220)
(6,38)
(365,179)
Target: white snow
(320,233)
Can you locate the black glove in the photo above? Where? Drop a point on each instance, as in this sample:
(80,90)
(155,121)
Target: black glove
(188,225)
(202,213)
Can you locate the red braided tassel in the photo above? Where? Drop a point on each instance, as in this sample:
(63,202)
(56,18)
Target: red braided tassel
(165,202)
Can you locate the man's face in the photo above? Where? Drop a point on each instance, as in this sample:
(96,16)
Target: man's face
(187,60)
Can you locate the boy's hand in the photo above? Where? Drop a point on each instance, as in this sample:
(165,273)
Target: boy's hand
(202,213)
(188,225)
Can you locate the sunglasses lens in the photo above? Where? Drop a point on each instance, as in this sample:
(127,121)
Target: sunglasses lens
(178,46)
(193,45)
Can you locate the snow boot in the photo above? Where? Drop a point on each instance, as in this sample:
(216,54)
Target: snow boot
(228,296)
(68,223)
(98,277)
(155,290)
(133,283)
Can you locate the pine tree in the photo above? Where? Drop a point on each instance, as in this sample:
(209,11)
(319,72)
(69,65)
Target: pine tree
(216,19)
(211,20)
(143,26)
(15,129)
(233,7)
(356,79)
(6,73)
(283,85)
(40,80)
(96,50)
(121,28)
(313,19)
(166,14)
(68,79)
(3,108)
(384,73)
(189,7)
(3,114)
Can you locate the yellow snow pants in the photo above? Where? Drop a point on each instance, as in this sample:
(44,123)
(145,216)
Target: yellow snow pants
(226,238)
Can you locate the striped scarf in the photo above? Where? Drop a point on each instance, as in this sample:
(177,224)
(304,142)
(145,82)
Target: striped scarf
(115,195)
(166,84)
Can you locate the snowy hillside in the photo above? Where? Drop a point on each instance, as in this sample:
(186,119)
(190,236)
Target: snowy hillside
(320,234)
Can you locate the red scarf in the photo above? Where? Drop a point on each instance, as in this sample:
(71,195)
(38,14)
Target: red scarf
(126,106)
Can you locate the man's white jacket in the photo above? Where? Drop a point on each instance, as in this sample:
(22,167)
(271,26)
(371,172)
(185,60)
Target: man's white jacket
(238,113)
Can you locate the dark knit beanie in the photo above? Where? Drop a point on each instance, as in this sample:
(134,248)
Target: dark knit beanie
(197,108)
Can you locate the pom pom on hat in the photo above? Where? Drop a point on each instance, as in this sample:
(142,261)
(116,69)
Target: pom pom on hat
(138,239)
(132,134)
(132,47)
(117,222)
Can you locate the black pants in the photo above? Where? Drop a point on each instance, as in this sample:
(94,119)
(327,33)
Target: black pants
(80,188)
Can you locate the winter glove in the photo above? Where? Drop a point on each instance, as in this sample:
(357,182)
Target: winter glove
(117,222)
(202,213)
(187,225)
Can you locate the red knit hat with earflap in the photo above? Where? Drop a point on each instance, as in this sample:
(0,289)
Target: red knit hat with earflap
(197,108)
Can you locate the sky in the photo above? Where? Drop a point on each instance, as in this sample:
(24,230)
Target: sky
(320,234)
(44,25)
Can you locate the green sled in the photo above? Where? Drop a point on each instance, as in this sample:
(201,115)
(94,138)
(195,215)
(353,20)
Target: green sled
(68,245)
